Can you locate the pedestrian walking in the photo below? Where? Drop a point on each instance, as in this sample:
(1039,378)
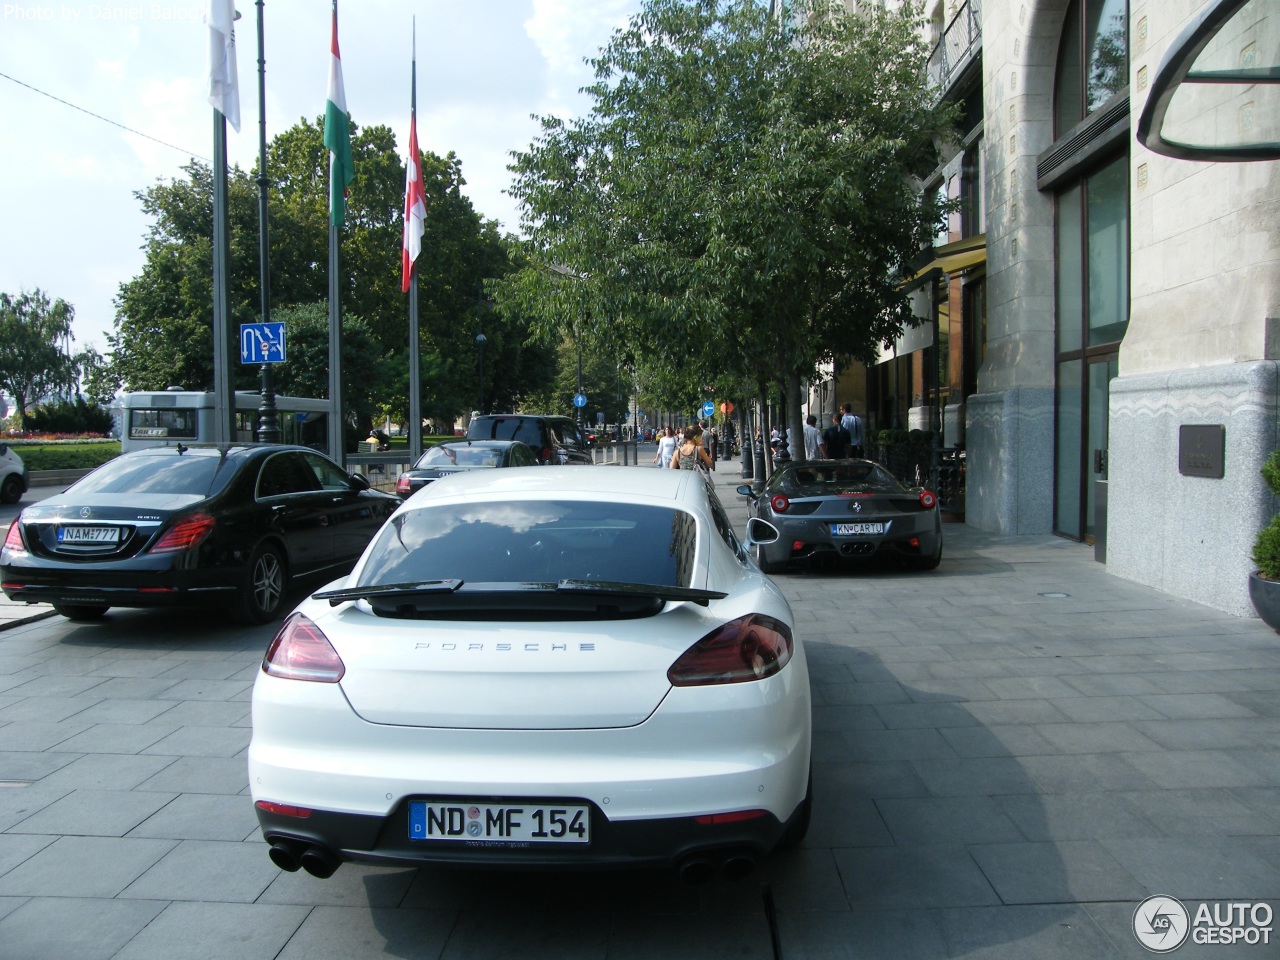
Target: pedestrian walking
(814,449)
(666,447)
(837,440)
(691,454)
(853,423)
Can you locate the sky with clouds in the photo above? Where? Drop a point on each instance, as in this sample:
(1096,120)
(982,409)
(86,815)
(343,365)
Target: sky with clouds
(71,223)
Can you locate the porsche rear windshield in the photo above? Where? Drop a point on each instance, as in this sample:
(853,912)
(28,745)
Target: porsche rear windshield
(187,475)
(535,541)
(816,478)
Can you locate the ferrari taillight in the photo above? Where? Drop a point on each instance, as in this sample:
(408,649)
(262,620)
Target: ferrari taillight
(927,500)
(779,503)
(13,539)
(749,648)
(301,651)
(188,532)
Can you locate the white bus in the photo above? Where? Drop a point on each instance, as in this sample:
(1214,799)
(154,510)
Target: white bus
(162,417)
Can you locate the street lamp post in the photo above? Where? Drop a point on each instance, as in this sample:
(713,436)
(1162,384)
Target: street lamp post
(480,342)
(268,418)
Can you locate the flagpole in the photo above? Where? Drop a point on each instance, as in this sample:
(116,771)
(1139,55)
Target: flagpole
(224,382)
(268,417)
(415,371)
(337,420)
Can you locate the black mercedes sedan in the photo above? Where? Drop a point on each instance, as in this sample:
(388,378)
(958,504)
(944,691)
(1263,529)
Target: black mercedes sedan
(459,456)
(221,526)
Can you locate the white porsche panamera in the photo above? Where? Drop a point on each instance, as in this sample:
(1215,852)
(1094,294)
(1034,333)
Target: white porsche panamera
(542,667)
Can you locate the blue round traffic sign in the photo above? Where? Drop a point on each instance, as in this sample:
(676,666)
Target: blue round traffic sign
(708,408)
(579,399)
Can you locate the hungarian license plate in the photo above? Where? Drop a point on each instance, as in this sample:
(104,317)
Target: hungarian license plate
(852,529)
(499,823)
(88,534)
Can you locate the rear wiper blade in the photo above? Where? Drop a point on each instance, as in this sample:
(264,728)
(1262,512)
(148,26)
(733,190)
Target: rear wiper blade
(336,597)
(656,591)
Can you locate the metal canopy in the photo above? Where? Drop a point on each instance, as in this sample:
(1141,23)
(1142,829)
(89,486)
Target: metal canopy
(1216,94)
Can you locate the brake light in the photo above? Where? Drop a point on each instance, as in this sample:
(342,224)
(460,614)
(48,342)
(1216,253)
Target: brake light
(779,503)
(188,532)
(402,483)
(749,648)
(283,809)
(13,539)
(738,816)
(301,651)
(546,455)
(927,499)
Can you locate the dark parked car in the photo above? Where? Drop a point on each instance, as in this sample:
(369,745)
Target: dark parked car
(461,456)
(224,526)
(854,509)
(553,440)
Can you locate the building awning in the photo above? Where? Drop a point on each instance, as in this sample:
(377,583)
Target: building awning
(950,258)
(1216,93)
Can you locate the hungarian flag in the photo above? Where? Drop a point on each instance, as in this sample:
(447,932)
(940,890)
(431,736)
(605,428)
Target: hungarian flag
(337,133)
(415,205)
(224,81)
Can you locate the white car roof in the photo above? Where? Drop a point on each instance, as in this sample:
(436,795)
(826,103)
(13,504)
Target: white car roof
(571,483)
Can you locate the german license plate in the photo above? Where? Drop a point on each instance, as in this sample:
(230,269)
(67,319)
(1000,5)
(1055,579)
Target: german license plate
(499,823)
(88,534)
(852,529)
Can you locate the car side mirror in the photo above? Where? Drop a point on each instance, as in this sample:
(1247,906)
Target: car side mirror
(761,531)
(744,490)
(359,481)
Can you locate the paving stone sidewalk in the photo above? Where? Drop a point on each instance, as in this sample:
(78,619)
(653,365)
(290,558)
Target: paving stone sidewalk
(1011,752)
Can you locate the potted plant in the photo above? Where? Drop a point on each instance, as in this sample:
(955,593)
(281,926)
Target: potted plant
(1264,583)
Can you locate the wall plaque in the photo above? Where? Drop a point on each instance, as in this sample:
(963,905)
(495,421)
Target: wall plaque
(1202,450)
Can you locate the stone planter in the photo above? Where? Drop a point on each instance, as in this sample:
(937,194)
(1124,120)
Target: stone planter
(1265,595)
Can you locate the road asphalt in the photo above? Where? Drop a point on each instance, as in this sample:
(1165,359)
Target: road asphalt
(1012,754)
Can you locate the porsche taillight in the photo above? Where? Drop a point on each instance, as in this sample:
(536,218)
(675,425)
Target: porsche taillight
(749,648)
(301,651)
(188,532)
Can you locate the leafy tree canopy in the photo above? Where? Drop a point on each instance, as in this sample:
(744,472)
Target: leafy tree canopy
(165,314)
(35,357)
(742,197)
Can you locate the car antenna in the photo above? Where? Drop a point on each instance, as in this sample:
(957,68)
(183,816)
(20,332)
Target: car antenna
(182,449)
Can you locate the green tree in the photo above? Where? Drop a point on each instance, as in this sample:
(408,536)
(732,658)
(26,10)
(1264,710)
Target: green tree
(741,200)
(165,313)
(35,357)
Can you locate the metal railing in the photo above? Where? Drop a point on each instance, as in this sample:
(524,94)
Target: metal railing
(960,42)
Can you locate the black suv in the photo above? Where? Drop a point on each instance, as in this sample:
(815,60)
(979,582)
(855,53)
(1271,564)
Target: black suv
(552,439)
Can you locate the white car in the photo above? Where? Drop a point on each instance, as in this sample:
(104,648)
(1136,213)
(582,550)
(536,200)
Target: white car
(539,666)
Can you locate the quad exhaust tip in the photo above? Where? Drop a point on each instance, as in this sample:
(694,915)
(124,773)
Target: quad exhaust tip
(703,868)
(291,856)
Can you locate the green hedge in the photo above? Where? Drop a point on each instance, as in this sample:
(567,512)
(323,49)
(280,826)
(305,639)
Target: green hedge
(65,455)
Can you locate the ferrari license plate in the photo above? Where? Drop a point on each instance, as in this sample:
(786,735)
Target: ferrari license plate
(499,823)
(88,534)
(852,529)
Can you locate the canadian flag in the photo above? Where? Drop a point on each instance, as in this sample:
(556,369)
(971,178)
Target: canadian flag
(415,206)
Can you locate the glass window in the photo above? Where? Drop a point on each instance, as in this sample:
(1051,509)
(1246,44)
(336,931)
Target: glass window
(284,474)
(1108,226)
(170,424)
(540,541)
(327,473)
(1068,463)
(1070,273)
(186,475)
(1093,59)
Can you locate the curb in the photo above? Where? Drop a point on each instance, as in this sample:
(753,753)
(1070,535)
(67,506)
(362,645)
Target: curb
(45,614)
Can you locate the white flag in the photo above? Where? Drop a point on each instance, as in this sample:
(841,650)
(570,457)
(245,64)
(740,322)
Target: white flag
(224,80)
